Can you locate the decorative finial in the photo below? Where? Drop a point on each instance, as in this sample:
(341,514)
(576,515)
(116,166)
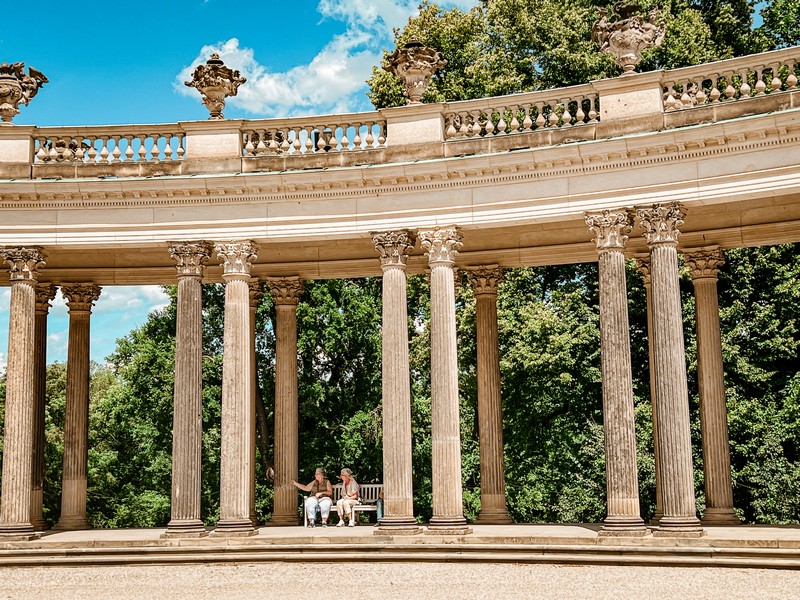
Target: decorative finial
(415,64)
(626,37)
(215,82)
(17,88)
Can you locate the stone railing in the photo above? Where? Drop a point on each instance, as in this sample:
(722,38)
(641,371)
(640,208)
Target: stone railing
(521,113)
(731,80)
(306,135)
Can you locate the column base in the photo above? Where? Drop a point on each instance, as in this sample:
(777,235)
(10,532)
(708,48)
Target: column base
(679,527)
(284,520)
(71,523)
(396,525)
(185,528)
(254,519)
(720,516)
(38,523)
(18,532)
(657,518)
(448,526)
(233,528)
(621,526)
(493,516)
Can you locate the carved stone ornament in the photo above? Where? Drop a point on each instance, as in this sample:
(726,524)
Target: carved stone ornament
(441,245)
(394,246)
(236,257)
(24,263)
(414,64)
(285,290)
(80,296)
(626,37)
(190,257)
(643,265)
(485,279)
(661,222)
(45,293)
(215,82)
(17,88)
(256,290)
(704,263)
(610,228)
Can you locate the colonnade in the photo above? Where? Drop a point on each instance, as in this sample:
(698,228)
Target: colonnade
(21,505)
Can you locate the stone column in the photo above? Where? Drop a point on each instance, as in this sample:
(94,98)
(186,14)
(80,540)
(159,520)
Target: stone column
(398,515)
(286,292)
(441,246)
(236,259)
(643,264)
(256,293)
(80,299)
(661,223)
(45,292)
(611,228)
(485,281)
(704,264)
(187,423)
(15,500)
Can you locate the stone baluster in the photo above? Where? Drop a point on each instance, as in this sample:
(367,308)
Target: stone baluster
(485,281)
(611,228)
(236,259)
(394,248)
(80,300)
(704,264)
(661,223)
(286,292)
(187,428)
(441,246)
(15,500)
(45,292)
(256,292)
(643,264)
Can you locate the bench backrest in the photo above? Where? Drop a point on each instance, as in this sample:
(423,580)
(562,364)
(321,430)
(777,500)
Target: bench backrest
(368,492)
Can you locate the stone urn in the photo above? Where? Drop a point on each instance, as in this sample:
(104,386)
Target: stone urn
(17,88)
(215,82)
(626,37)
(415,64)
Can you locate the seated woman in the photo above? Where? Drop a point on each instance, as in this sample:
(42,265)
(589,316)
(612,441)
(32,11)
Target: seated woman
(349,497)
(320,492)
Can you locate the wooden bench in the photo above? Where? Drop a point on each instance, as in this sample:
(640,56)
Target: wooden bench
(368,493)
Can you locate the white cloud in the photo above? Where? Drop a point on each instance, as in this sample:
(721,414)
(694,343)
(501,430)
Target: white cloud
(122,298)
(334,80)
(3,363)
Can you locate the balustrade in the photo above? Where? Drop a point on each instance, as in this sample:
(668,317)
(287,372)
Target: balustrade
(106,145)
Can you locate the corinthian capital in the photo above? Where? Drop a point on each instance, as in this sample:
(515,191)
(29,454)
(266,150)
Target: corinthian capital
(190,257)
(643,265)
(704,263)
(661,222)
(80,296)
(441,245)
(285,290)
(394,246)
(256,290)
(485,279)
(24,263)
(236,257)
(610,228)
(45,292)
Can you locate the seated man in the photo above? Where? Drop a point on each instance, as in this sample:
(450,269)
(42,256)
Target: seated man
(349,497)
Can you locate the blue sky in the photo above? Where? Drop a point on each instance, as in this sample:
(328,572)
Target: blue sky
(118,63)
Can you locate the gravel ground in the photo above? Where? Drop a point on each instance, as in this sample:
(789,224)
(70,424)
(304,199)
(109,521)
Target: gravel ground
(396,580)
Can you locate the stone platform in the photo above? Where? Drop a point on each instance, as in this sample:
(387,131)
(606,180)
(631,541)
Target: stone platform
(744,546)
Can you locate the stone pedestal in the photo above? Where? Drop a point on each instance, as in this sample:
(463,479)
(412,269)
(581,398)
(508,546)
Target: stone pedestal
(45,292)
(704,264)
(485,281)
(187,428)
(286,292)
(611,230)
(256,293)
(235,468)
(398,515)
(661,223)
(80,299)
(441,246)
(15,498)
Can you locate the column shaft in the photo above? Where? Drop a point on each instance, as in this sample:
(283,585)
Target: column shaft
(255,294)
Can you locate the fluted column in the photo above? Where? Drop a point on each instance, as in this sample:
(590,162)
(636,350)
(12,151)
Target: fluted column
(187,424)
(256,292)
(704,264)
(611,228)
(661,225)
(398,515)
(235,469)
(80,299)
(45,292)
(643,264)
(15,501)
(286,292)
(441,246)
(485,281)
